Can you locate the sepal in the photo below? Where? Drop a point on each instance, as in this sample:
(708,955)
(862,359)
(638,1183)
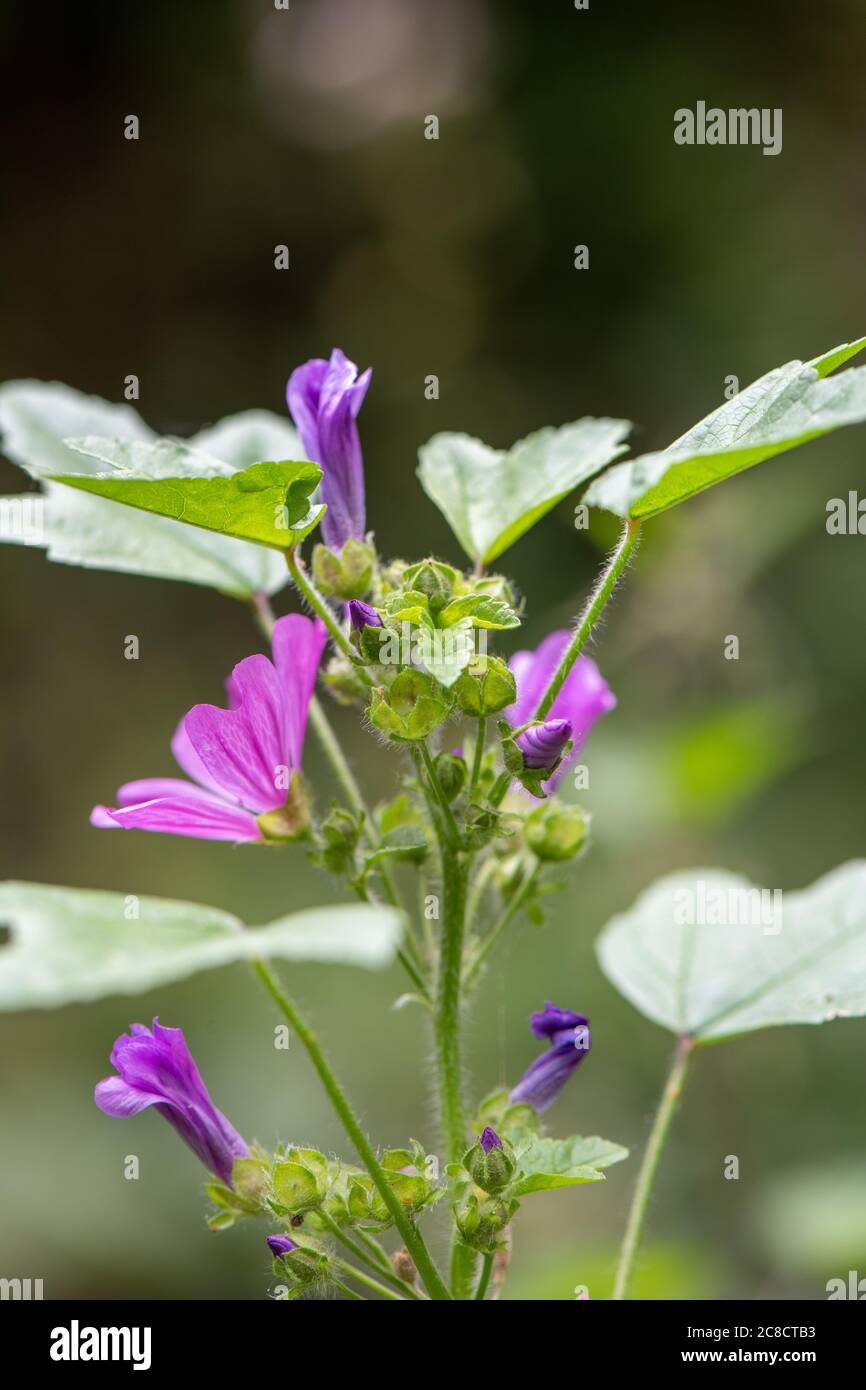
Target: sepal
(348,574)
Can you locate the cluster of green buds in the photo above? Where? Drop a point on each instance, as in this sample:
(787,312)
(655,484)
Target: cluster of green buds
(419,638)
(555,832)
(483,1210)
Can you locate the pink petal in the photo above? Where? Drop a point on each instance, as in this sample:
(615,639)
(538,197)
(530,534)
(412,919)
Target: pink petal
(153,788)
(116,1097)
(201,817)
(297,644)
(189,761)
(243,750)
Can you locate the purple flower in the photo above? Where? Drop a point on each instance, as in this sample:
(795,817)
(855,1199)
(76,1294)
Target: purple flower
(241,759)
(570,1040)
(584,697)
(542,745)
(324,399)
(362,614)
(280,1245)
(489,1139)
(156,1068)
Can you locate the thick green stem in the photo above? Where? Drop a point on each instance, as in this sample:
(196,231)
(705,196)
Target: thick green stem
(484,1278)
(517,900)
(330,746)
(649,1166)
(455,872)
(591,614)
(447,1006)
(347,1292)
(412,1237)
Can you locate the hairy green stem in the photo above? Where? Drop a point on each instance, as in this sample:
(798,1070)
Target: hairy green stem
(305,586)
(452,832)
(484,1277)
(384,1271)
(365,1279)
(478,759)
(649,1166)
(330,746)
(518,898)
(455,872)
(349,1293)
(612,571)
(447,1006)
(412,1237)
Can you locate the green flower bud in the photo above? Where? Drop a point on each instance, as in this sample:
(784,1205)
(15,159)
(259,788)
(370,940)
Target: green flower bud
(489,1164)
(451,771)
(347,575)
(433,578)
(339,831)
(406,1171)
(555,832)
(300,1182)
(410,708)
(485,688)
(365,1204)
(481,1223)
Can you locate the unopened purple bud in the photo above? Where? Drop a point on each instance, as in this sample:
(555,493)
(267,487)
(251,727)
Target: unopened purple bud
(489,1139)
(542,745)
(570,1039)
(280,1245)
(362,615)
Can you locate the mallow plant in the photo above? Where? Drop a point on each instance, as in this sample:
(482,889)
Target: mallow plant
(478,830)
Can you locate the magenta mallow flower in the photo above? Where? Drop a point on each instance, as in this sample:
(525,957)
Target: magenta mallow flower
(570,1040)
(324,399)
(542,745)
(362,614)
(242,759)
(280,1245)
(489,1139)
(156,1068)
(584,696)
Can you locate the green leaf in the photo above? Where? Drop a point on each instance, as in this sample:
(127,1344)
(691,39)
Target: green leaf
(69,945)
(483,611)
(490,497)
(787,407)
(79,529)
(402,842)
(268,504)
(703,953)
(550,1163)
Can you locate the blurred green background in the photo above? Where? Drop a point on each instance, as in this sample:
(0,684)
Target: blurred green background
(454,257)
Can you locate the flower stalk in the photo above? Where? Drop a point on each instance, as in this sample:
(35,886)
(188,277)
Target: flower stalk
(598,601)
(412,1237)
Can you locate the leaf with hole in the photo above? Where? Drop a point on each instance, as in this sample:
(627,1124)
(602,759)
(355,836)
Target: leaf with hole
(68,945)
